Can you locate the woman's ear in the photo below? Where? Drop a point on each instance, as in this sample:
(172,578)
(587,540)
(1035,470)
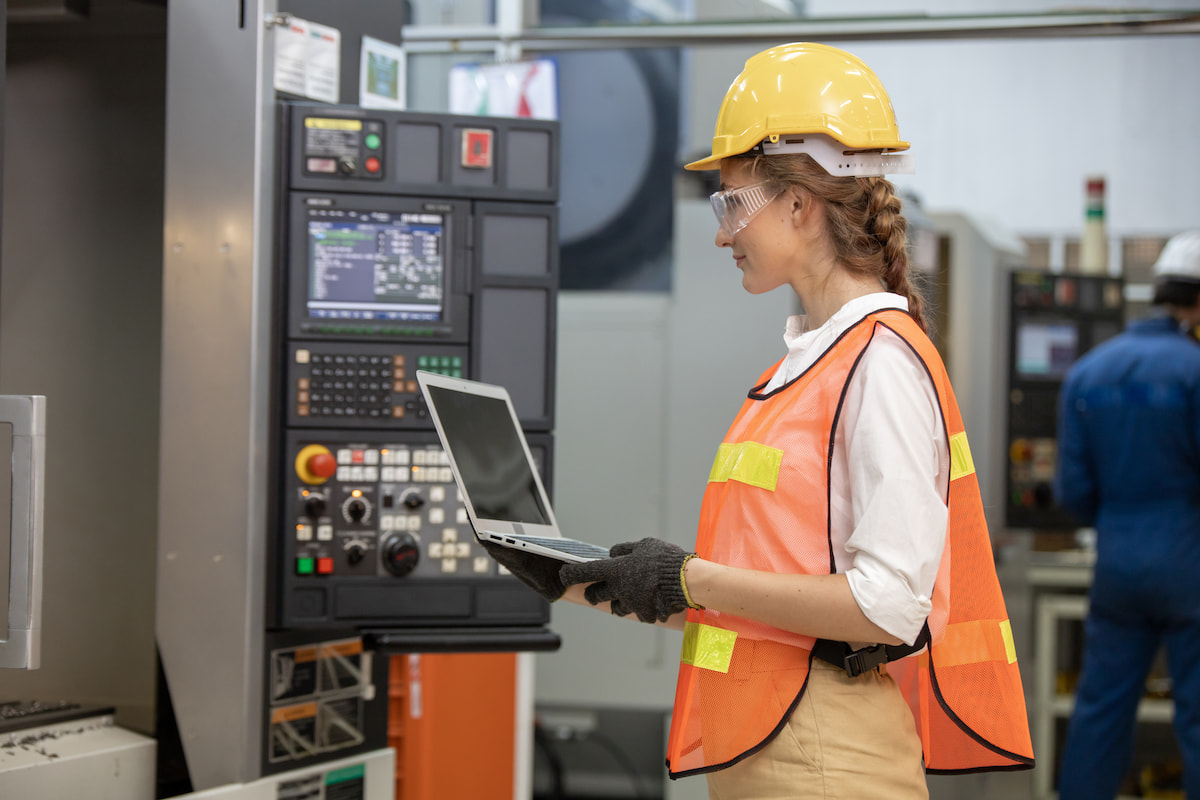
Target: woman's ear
(802,208)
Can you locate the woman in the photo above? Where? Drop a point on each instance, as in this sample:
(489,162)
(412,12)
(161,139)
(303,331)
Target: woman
(839,493)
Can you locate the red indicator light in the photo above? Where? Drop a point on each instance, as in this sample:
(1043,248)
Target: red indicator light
(372,164)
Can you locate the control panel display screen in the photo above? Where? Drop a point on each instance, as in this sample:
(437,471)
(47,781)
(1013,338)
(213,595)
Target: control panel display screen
(1046,349)
(375,265)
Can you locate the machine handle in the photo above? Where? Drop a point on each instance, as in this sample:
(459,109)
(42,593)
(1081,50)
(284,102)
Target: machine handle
(21,647)
(463,640)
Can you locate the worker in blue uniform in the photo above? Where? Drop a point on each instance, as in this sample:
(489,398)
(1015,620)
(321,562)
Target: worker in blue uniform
(1129,465)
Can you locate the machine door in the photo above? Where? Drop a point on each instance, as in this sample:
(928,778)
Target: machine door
(20,645)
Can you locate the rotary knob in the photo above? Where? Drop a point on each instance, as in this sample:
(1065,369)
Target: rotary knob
(315,506)
(356,509)
(355,553)
(401,552)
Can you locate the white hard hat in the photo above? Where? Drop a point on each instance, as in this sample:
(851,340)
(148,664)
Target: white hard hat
(1180,259)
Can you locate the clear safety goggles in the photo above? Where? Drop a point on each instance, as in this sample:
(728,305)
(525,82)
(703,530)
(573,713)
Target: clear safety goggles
(736,207)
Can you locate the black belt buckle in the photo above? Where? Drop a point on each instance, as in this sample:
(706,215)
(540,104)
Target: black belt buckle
(864,660)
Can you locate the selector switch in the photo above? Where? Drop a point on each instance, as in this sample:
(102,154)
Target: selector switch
(356,509)
(413,500)
(315,506)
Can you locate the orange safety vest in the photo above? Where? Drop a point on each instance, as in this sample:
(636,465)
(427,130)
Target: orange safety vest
(766,507)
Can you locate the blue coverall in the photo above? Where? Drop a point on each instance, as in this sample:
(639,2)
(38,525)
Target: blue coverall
(1129,465)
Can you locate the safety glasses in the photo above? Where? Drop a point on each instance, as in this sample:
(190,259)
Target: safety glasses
(736,207)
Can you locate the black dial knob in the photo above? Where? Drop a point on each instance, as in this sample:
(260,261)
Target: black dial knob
(355,553)
(314,506)
(401,552)
(356,509)
(413,500)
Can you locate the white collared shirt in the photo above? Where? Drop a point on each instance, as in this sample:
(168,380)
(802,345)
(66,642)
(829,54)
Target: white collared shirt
(890,470)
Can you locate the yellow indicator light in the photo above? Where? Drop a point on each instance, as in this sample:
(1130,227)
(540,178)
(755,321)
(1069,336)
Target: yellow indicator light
(304,493)
(357,493)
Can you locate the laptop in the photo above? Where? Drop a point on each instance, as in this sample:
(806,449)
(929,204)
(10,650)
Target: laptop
(494,469)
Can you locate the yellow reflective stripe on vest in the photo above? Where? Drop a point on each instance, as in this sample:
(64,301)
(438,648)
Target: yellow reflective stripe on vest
(750,463)
(976,642)
(706,647)
(961,464)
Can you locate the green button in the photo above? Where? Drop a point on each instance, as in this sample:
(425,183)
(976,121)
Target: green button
(304,566)
(372,141)
(456,373)
(422,362)
(456,361)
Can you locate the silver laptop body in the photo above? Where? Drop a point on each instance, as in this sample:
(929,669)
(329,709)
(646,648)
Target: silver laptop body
(494,468)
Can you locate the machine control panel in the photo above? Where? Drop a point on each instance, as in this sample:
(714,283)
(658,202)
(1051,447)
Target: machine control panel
(395,256)
(367,514)
(343,148)
(1054,320)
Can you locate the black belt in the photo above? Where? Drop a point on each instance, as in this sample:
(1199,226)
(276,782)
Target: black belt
(865,659)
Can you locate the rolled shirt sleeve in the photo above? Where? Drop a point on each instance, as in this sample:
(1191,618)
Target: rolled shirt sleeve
(888,487)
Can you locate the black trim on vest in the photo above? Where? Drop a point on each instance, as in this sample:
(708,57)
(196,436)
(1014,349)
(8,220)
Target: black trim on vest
(783,721)
(756,391)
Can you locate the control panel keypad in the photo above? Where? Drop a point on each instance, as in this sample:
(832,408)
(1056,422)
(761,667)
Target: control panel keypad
(365,385)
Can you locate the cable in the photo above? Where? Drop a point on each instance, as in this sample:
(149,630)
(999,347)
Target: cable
(622,760)
(542,742)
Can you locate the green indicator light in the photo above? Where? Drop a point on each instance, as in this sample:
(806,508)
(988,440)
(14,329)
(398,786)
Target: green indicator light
(304,566)
(372,141)
(456,373)
(422,362)
(456,361)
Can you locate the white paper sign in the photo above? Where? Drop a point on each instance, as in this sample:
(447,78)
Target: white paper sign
(381,75)
(308,59)
(524,89)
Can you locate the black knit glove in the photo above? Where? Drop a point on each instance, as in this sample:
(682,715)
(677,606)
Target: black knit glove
(643,578)
(538,572)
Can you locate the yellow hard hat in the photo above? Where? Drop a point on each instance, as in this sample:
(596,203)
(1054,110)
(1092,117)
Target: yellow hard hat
(813,89)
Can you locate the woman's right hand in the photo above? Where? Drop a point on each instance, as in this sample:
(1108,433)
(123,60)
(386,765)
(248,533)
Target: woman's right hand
(538,572)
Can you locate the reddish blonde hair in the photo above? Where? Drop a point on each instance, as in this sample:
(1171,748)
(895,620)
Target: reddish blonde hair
(866,228)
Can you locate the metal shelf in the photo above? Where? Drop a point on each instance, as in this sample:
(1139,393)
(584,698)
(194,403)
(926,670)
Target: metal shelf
(1148,710)
(1049,706)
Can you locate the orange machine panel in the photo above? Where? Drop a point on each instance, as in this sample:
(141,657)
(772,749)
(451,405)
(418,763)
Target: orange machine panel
(453,730)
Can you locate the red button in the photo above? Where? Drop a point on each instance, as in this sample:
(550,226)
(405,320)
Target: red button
(324,566)
(323,465)
(372,164)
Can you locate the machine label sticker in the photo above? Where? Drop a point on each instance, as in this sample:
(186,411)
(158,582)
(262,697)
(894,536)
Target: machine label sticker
(477,148)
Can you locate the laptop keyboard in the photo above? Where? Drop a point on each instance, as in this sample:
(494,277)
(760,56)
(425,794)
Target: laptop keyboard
(572,546)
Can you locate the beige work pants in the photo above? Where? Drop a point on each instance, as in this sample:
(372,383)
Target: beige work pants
(849,738)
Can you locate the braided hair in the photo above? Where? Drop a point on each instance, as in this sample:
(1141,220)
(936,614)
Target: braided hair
(867,230)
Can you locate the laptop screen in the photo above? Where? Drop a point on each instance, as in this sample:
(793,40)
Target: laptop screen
(481,435)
